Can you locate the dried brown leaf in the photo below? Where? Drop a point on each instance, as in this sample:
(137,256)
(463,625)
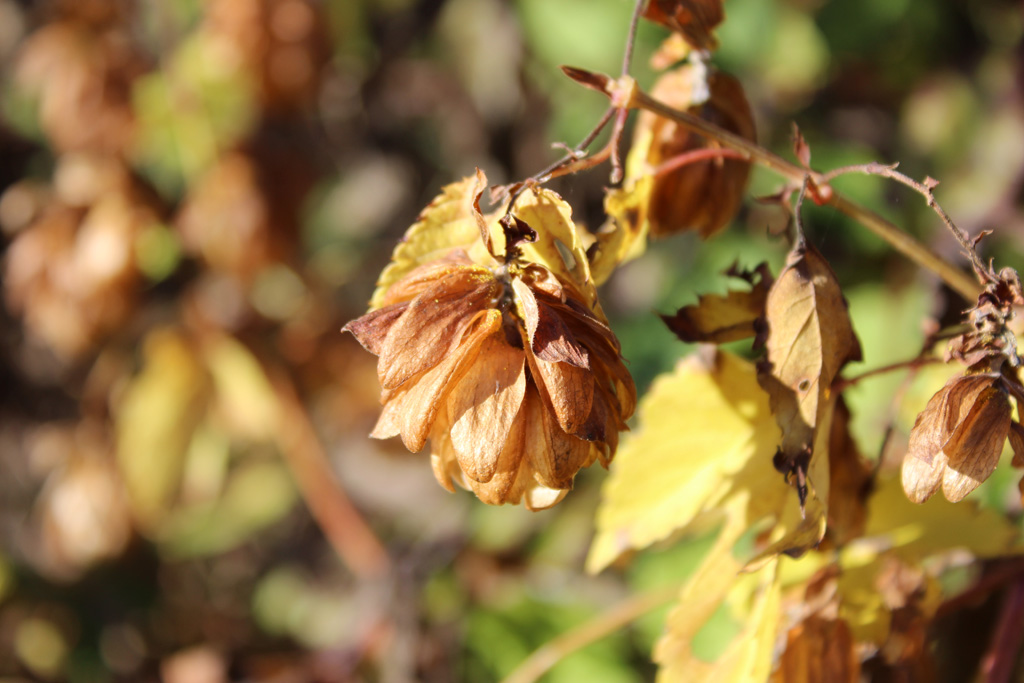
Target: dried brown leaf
(371,329)
(819,650)
(1017,443)
(719,319)
(850,477)
(809,339)
(411,411)
(694,19)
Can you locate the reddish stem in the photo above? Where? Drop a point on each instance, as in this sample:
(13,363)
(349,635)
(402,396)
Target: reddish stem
(696,155)
(998,663)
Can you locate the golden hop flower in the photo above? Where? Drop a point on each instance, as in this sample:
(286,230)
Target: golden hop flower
(510,370)
(957,439)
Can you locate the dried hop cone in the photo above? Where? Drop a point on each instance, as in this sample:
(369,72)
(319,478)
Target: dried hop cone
(958,438)
(699,195)
(505,362)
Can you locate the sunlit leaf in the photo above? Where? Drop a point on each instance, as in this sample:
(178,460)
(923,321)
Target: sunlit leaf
(753,600)
(447,223)
(624,236)
(809,338)
(702,454)
(719,319)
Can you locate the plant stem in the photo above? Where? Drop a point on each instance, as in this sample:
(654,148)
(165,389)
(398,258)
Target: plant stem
(345,529)
(912,364)
(549,654)
(998,663)
(957,279)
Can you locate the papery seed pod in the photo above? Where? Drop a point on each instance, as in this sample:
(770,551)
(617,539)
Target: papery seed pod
(702,195)
(508,369)
(957,439)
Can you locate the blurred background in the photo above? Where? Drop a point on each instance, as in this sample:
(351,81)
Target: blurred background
(196,194)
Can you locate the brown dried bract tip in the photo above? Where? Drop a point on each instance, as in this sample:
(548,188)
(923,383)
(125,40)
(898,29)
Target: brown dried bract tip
(956,441)
(515,379)
(701,195)
(694,20)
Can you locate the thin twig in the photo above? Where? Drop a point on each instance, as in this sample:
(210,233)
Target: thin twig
(957,279)
(634,22)
(912,364)
(925,190)
(340,521)
(549,654)
(695,156)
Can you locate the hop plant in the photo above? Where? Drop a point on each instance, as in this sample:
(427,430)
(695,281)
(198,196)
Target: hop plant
(508,366)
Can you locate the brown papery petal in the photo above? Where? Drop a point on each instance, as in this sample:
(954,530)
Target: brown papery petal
(541,497)
(418,279)
(932,428)
(421,403)
(371,329)
(556,457)
(484,404)
(549,336)
(434,323)
(501,486)
(569,391)
(1017,443)
(922,479)
(973,450)
(442,457)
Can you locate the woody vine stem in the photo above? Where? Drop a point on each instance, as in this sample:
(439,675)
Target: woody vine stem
(625,95)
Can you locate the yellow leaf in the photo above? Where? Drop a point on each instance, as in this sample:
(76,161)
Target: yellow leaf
(719,319)
(447,223)
(754,600)
(624,236)
(245,398)
(155,420)
(917,531)
(558,246)
(702,454)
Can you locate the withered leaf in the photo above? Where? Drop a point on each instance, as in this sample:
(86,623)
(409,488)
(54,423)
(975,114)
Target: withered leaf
(694,19)
(809,337)
(371,329)
(819,650)
(1017,443)
(718,319)
(555,455)
(411,410)
(569,390)
(850,477)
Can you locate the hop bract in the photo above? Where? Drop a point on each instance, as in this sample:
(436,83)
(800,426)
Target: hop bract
(506,365)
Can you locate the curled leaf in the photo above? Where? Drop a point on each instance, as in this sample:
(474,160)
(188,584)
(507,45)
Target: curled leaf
(719,319)
(809,339)
(693,19)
